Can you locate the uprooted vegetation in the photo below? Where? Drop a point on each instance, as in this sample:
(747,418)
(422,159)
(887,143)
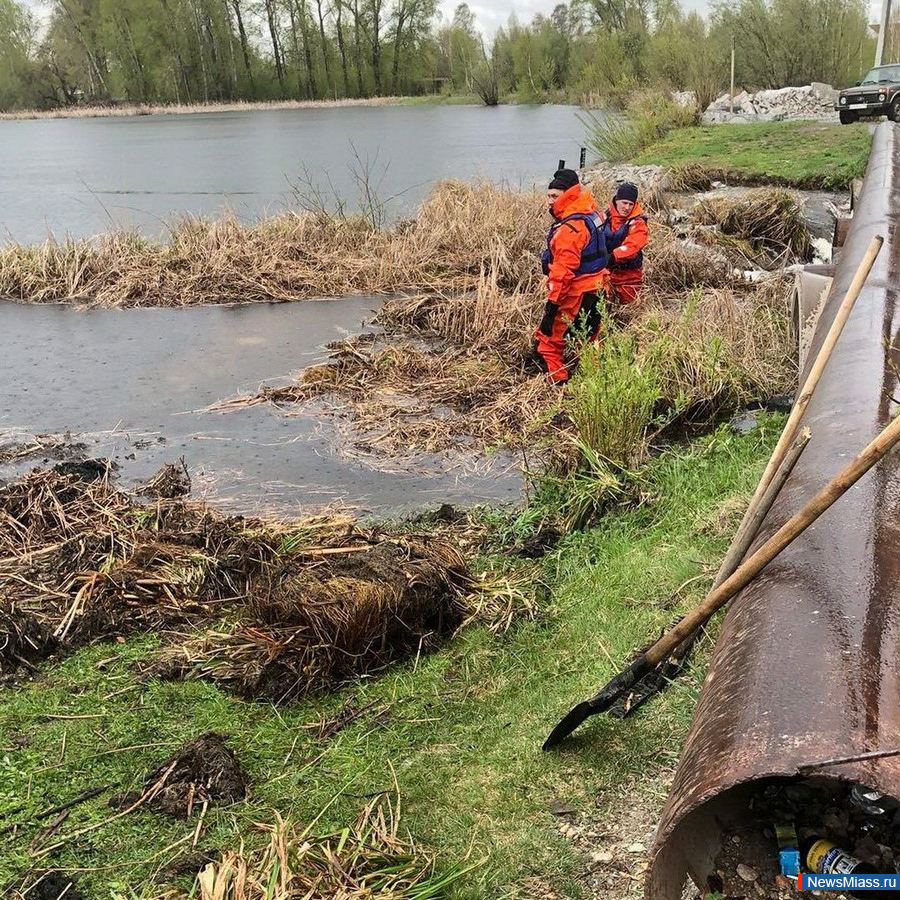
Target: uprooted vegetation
(279,611)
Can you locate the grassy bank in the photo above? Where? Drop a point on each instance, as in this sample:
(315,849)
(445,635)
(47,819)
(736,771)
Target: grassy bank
(795,154)
(456,732)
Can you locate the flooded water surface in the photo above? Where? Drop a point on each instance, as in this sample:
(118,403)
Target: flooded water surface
(79,176)
(134,384)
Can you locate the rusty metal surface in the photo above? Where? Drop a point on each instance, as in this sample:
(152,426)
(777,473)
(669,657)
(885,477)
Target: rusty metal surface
(807,664)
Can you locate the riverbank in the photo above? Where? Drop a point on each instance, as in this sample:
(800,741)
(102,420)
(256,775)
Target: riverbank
(182,622)
(455,734)
(180,109)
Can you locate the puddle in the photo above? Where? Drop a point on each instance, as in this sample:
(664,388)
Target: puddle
(133,385)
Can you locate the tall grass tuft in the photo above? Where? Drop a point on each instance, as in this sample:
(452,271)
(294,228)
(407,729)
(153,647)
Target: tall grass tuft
(649,116)
(611,399)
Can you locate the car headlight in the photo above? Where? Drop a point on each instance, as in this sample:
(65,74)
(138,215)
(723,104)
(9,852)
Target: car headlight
(881,98)
(843,100)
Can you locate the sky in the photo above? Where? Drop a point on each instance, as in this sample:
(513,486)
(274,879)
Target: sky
(492,14)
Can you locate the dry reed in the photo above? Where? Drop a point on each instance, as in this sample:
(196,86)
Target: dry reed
(176,109)
(461,232)
(371,860)
(768,220)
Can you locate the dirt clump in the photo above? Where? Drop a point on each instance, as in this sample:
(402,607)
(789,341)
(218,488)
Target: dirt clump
(51,885)
(204,772)
(24,641)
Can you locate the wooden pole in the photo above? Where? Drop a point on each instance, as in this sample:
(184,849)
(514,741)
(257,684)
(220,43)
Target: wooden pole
(718,597)
(815,374)
(789,532)
(732,75)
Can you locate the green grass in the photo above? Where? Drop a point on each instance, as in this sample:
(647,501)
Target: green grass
(464,732)
(796,154)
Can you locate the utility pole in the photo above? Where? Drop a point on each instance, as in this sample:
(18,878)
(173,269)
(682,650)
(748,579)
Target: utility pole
(732,70)
(883,29)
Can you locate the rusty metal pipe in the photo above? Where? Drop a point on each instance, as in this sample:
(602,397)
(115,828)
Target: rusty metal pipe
(807,665)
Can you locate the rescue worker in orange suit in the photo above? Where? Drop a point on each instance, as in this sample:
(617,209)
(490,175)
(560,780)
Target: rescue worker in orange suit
(626,237)
(574,262)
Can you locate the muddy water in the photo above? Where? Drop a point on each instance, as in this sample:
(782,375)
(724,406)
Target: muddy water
(134,384)
(80,176)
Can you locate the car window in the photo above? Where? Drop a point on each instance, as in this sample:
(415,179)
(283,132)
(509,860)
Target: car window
(882,75)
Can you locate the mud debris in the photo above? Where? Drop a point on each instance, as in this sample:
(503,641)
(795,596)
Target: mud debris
(169,483)
(204,772)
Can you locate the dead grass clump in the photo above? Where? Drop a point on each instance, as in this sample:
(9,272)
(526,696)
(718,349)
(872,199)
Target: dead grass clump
(204,772)
(367,861)
(770,220)
(462,231)
(485,318)
(170,482)
(674,266)
(309,628)
(688,177)
(311,601)
(409,400)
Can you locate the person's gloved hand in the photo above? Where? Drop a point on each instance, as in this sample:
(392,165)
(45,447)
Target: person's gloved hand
(550,311)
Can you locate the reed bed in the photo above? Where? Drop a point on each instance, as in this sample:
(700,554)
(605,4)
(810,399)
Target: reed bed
(182,109)
(460,232)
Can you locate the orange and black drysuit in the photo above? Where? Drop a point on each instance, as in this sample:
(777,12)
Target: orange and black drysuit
(574,262)
(626,237)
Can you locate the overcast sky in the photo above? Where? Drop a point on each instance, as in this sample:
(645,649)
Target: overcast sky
(491,14)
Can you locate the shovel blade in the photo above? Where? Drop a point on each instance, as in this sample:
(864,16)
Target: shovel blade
(569,722)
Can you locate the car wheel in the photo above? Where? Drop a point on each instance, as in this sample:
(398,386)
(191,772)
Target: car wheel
(847,117)
(894,110)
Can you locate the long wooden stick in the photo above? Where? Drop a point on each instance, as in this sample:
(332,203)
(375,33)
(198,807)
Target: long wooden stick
(663,673)
(815,374)
(718,597)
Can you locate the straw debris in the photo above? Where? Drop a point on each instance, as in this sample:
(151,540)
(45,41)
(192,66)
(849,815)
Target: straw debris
(371,860)
(769,221)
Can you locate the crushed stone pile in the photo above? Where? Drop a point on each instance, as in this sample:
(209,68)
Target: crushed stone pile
(812,102)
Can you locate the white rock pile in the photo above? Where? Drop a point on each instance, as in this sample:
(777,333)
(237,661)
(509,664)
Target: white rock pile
(813,101)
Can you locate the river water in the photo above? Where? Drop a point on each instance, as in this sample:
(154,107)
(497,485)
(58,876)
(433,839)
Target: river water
(79,176)
(133,384)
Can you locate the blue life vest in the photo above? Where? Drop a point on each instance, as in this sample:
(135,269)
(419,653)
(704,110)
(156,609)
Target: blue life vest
(594,257)
(615,238)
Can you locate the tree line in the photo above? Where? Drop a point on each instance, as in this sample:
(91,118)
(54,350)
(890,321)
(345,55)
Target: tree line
(203,51)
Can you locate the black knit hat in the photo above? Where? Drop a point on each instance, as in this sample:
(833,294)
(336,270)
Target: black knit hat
(626,191)
(563,179)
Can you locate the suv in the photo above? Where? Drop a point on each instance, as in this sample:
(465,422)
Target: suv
(878,94)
